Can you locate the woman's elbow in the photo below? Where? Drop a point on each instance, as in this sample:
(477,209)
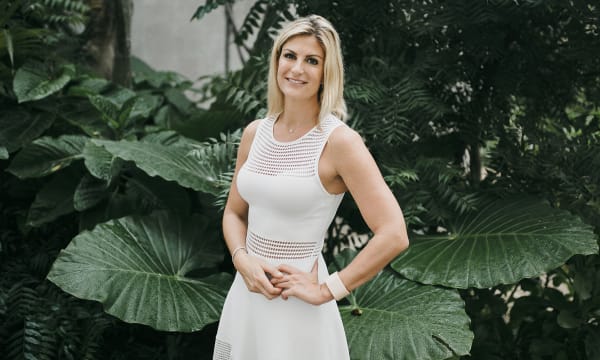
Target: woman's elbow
(400,241)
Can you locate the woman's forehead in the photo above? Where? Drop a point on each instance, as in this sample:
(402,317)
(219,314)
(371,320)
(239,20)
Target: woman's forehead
(304,44)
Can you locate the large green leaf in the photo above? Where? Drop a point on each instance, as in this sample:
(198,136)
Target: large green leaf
(117,205)
(55,198)
(158,193)
(506,241)
(47,155)
(170,138)
(175,163)
(87,85)
(139,194)
(100,162)
(145,105)
(89,192)
(3,153)
(142,72)
(136,267)
(80,113)
(108,109)
(21,126)
(34,81)
(203,123)
(120,115)
(393,318)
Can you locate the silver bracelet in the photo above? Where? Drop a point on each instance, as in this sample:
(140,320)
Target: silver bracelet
(234,253)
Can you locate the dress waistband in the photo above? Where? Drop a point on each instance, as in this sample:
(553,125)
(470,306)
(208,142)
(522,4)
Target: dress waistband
(276,249)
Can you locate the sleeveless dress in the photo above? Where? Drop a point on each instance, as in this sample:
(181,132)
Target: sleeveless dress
(288,216)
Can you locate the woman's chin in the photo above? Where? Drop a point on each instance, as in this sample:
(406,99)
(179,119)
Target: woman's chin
(298,94)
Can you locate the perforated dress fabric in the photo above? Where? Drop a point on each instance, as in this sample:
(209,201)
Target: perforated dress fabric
(288,215)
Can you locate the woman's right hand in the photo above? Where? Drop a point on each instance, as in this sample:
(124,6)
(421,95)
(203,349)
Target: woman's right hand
(254,272)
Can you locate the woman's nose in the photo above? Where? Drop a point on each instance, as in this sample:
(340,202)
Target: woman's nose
(297,68)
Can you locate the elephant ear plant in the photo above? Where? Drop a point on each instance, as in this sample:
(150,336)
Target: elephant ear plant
(137,266)
(80,154)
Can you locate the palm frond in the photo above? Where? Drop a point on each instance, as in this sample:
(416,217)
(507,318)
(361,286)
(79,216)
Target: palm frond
(209,6)
(220,154)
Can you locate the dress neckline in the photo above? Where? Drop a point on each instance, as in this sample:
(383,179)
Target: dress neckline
(272,132)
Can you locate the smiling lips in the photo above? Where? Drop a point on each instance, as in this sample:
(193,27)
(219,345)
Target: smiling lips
(294,81)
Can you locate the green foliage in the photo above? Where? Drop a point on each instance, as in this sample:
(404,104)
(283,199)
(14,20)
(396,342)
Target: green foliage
(54,199)
(33,81)
(47,155)
(430,320)
(138,267)
(41,30)
(209,6)
(174,163)
(53,112)
(546,314)
(30,126)
(69,14)
(54,324)
(503,237)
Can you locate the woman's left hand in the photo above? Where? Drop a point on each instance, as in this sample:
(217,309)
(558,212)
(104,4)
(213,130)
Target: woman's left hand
(305,286)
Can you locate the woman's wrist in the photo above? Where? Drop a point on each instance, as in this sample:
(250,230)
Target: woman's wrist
(240,256)
(236,251)
(326,295)
(336,287)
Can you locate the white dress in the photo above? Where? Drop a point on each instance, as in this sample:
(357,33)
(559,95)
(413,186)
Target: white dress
(288,216)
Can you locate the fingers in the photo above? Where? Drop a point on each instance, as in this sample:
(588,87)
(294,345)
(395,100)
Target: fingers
(256,276)
(270,273)
(289,269)
(294,276)
(295,283)
(282,283)
(283,280)
(285,294)
(272,270)
(266,288)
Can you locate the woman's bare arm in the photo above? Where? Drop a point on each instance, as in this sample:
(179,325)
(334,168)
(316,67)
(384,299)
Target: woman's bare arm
(359,174)
(377,205)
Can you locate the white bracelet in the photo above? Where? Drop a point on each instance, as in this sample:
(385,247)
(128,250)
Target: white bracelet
(336,286)
(234,253)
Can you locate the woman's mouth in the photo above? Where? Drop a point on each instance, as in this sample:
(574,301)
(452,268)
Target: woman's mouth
(295,81)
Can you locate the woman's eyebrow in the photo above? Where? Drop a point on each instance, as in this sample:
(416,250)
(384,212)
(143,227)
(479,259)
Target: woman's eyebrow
(293,52)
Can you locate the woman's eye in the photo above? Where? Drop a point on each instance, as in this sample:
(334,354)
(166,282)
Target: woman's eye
(312,61)
(289,56)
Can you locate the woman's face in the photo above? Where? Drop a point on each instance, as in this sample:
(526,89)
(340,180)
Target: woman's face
(300,69)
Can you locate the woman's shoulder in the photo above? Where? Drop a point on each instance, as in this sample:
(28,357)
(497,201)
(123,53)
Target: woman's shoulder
(252,126)
(346,147)
(248,135)
(343,136)
(251,129)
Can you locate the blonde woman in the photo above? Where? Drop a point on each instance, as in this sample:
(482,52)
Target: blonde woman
(293,168)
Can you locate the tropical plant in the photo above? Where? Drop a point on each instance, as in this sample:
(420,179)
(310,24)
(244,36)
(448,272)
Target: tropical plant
(64,138)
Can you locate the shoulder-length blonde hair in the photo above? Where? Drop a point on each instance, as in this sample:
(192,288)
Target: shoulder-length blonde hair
(331,96)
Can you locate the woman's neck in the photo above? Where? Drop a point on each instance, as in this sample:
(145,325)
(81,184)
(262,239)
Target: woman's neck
(298,114)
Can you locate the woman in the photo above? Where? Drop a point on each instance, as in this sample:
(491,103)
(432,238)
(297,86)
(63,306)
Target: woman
(293,168)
